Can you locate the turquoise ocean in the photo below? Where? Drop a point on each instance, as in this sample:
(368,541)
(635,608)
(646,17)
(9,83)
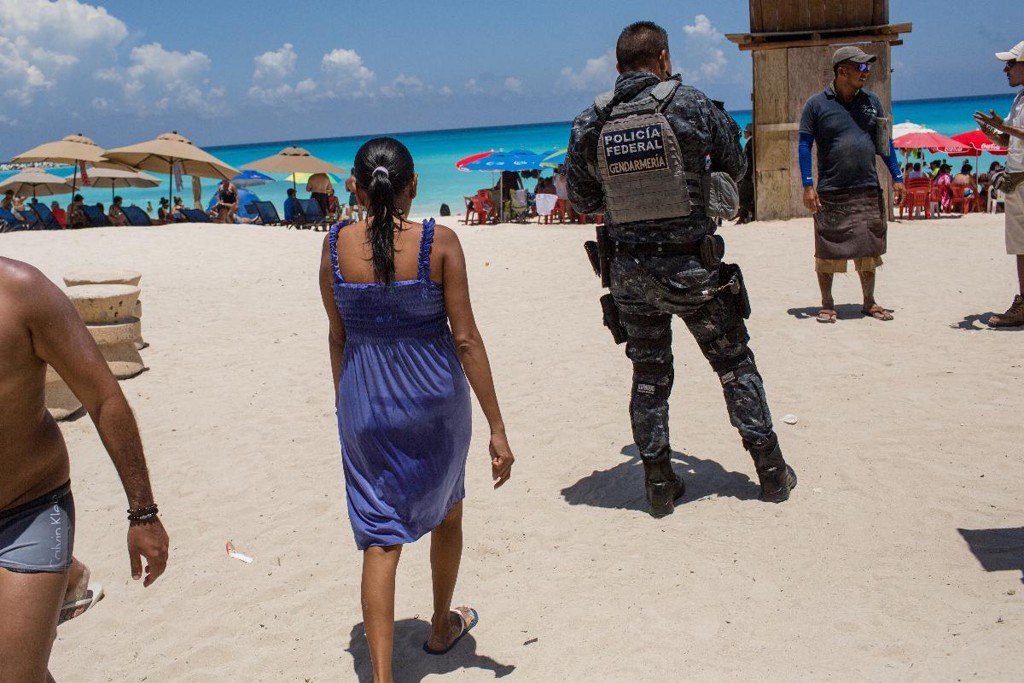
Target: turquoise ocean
(436,152)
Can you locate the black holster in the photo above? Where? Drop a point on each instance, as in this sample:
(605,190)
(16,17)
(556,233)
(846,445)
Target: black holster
(730,278)
(599,252)
(611,320)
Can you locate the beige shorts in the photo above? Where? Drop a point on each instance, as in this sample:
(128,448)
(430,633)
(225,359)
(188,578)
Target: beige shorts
(827,265)
(1015,221)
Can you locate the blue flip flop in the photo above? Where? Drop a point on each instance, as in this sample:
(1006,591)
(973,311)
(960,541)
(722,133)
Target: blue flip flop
(466,628)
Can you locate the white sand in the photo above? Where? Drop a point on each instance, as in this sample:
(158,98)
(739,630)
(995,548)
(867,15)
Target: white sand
(908,431)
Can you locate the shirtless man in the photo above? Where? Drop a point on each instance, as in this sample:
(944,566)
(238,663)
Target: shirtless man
(39,326)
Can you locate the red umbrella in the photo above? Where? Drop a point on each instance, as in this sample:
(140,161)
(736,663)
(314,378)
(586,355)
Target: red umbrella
(977,142)
(470,159)
(932,141)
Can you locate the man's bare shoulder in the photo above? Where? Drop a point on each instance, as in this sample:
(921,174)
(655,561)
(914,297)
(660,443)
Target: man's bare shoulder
(21,280)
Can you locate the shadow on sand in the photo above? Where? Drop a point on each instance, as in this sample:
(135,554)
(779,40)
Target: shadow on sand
(843,312)
(621,487)
(979,321)
(412,664)
(997,549)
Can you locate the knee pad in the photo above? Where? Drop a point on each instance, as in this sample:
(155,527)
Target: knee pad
(653,379)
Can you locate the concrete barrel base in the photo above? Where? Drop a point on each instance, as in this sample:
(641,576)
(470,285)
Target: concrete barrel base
(99,304)
(76,278)
(117,344)
(60,401)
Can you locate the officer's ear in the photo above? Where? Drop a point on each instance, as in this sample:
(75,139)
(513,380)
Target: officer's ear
(665,64)
(618,67)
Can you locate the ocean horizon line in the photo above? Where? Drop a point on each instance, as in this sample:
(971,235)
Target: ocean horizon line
(742,112)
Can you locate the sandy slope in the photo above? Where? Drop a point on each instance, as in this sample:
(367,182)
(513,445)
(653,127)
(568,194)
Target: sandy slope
(908,432)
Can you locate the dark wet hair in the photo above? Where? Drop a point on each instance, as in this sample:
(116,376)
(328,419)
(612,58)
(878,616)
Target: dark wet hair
(117,199)
(383,169)
(639,45)
(966,168)
(291,192)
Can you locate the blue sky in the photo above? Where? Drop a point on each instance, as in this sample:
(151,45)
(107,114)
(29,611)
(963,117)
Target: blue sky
(220,72)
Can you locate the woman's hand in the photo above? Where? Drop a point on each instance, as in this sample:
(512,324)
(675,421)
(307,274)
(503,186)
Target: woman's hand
(501,459)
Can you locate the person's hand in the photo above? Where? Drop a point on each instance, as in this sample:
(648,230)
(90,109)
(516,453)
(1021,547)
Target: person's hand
(899,191)
(811,200)
(991,124)
(501,459)
(150,541)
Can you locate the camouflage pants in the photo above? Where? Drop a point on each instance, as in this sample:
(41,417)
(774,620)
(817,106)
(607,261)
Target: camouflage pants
(648,292)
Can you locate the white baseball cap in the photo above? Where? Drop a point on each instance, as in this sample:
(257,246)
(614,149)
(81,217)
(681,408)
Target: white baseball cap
(1015,54)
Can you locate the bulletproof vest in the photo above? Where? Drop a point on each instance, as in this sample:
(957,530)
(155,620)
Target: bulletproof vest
(639,161)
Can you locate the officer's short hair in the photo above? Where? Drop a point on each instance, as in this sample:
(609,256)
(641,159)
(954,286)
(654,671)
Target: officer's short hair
(639,45)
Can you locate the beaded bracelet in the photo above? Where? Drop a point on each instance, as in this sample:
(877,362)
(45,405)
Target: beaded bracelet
(144,514)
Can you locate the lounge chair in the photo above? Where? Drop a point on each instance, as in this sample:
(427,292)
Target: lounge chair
(312,216)
(518,208)
(10,223)
(267,213)
(46,216)
(96,218)
(195,216)
(136,216)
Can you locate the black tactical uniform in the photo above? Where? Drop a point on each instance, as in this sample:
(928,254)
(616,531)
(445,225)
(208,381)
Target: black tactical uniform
(657,270)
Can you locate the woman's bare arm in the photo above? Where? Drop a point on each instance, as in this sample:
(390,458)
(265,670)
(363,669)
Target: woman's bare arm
(336,335)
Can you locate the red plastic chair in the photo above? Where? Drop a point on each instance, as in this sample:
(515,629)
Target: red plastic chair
(917,196)
(962,200)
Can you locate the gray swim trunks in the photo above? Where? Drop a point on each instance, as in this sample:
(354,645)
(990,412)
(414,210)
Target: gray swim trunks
(39,536)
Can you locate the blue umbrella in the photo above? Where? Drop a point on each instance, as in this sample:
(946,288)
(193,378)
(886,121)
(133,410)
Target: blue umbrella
(245,197)
(251,178)
(515,160)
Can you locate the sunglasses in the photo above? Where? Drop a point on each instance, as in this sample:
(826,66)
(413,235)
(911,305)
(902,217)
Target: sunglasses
(863,68)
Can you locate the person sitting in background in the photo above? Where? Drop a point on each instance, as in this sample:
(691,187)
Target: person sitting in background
(19,209)
(915,171)
(943,180)
(8,201)
(291,206)
(227,202)
(76,217)
(163,214)
(964,177)
(177,211)
(116,215)
(59,214)
(333,207)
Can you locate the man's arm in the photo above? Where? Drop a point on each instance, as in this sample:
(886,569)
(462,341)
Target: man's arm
(996,129)
(585,191)
(727,153)
(61,339)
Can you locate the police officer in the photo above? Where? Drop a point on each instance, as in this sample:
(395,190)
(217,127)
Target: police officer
(661,159)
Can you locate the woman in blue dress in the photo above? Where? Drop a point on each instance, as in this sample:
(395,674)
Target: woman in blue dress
(403,342)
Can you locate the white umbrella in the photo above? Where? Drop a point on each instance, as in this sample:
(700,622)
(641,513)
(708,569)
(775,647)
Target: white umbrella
(163,153)
(115,178)
(37,181)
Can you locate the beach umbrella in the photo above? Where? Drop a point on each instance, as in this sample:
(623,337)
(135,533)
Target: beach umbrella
(901,129)
(251,179)
(34,180)
(554,159)
(293,160)
(304,178)
(71,149)
(514,160)
(118,178)
(976,142)
(931,140)
(168,153)
(461,163)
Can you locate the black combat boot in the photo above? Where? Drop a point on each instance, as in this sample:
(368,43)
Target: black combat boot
(776,477)
(663,487)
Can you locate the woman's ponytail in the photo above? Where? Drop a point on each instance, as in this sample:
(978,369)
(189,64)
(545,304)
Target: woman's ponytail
(383,168)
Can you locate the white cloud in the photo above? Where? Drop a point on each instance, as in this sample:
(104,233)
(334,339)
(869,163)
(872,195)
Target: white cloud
(164,79)
(700,58)
(275,65)
(472,87)
(403,85)
(42,43)
(702,27)
(598,72)
(343,67)
(513,85)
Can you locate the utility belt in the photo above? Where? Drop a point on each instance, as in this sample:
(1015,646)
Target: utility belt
(710,249)
(1011,180)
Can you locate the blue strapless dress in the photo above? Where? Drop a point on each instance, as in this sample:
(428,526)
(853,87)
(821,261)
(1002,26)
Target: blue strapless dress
(404,415)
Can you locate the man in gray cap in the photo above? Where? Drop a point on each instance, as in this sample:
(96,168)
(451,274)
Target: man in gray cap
(848,125)
(1009,133)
